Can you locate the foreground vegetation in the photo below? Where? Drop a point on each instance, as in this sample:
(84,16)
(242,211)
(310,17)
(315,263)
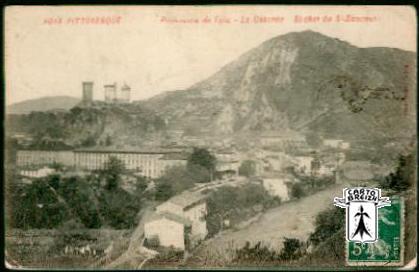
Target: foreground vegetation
(93,201)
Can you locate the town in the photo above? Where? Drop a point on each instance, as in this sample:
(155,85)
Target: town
(280,162)
(175,138)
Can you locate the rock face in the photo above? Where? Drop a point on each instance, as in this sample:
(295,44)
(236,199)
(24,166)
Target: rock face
(303,81)
(97,124)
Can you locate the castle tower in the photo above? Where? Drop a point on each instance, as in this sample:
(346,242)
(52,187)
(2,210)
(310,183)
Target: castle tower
(87,91)
(110,93)
(125,94)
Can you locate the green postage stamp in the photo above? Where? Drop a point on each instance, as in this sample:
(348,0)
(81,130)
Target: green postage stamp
(388,250)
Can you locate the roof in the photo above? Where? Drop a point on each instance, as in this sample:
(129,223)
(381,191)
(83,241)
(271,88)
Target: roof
(171,217)
(174,156)
(187,199)
(128,150)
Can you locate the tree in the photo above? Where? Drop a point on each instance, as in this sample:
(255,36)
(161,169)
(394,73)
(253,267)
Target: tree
(180,178)
(202,157)
(198,174)
(297,190)
(402,179)
(81,200)
(247,168)
(39,207)
(112,172)
(164,191)
(89,141)
(108,140)
(327,223)
(119,208)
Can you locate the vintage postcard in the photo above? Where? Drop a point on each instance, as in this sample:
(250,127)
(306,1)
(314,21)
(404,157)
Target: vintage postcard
(208,137)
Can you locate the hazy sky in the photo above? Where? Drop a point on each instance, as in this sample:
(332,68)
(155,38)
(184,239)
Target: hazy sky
(154,56)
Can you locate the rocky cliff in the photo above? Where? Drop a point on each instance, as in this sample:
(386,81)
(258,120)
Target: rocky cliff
(305,81)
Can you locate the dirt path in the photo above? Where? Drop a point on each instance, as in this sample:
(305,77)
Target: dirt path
(293,220)
(134,252)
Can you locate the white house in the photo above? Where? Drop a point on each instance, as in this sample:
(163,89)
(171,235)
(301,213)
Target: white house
(169,229)
(192,206)
(277,186)
(336,143)
(188,210)
(39,173)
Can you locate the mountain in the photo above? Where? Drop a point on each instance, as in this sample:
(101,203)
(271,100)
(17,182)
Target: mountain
(301,81)
(43,104)
(304,81)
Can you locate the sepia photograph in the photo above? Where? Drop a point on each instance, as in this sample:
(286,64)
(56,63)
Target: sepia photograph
(210,137)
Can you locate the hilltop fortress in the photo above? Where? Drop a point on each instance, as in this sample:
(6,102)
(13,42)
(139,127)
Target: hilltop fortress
(112,93)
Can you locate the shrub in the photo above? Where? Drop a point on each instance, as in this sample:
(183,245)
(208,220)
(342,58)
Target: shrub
(292,249)
(247,168)
(297,190)
(404,176)
(256,254)
(327,223)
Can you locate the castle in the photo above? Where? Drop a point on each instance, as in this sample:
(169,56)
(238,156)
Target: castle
(112,94)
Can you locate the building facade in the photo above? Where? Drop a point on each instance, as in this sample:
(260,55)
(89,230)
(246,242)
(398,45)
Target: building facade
(277,186)
(190,207)
(336,143)
(283,140)
(151,164)
(29,158)
(168,230)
